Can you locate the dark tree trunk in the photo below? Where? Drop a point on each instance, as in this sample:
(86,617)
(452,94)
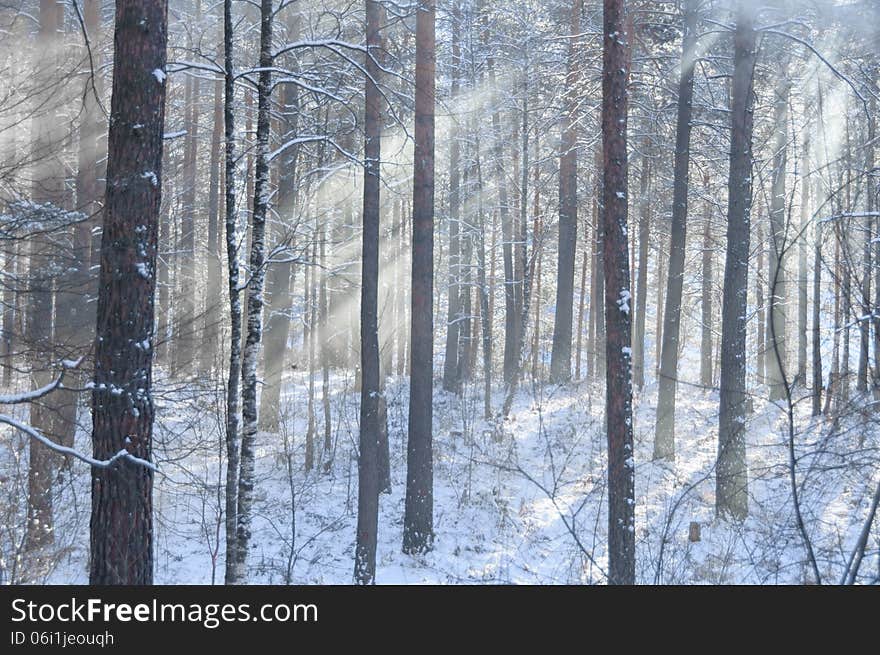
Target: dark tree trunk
(231,234)
(122,522)
(560,357)
(618,378)
(418,522)
(664,438)
(368,457)
(257,274)
(731,475)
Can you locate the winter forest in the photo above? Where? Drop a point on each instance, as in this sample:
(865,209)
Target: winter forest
(439,291)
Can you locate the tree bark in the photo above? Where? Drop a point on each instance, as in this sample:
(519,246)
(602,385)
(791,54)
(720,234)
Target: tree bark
(560,357)
(257,273)
(368,456)
(664,438)
(231,235)
(122,408)
(618,378)
(418,522)
(731,475)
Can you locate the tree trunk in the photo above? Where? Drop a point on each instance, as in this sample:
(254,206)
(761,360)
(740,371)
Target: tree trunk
(731,474)
(560,358)
(618,378)
(664,438)
(418,521)
(48,194)
(231,234)
(122,523)
(368,457)
(257,273)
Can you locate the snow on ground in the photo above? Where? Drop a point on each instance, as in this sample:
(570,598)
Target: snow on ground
(522,505)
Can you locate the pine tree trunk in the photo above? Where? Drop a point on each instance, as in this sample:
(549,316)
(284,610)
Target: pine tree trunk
(122,523)
(731,473)
(418,521)
(618,378)
(560,357)
(664,438)
(368,456)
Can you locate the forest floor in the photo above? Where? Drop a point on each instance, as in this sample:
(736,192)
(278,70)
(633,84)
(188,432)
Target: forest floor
(524,505)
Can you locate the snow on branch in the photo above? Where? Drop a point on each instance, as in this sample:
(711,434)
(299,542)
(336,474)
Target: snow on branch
(30,396)
(64,450)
